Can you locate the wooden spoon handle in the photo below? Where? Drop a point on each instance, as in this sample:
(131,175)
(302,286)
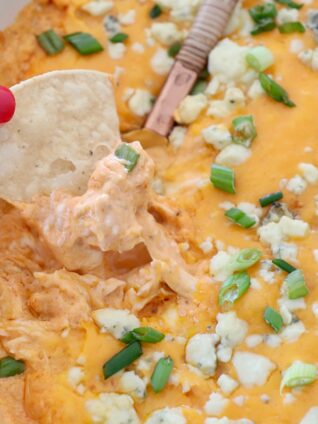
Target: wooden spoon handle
(207,29)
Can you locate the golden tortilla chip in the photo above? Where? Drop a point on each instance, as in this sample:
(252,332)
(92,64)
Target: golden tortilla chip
(65,121)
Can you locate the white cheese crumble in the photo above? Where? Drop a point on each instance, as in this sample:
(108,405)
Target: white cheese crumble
(252,369)
(218,266)
(225,420)
(296,185)
(180,10)
(75,377)
(309,171)
(190,108)
(227,384)
(98,7)
(167,416)
(309,58)
(233,155)
(200,353)
(234,99)
(296,46)
(253,340)
(217,136)
(166,33)
(292,332)
(110,408)
(256,90)
(161,62)
(116,50)
(131,384)
(206,246)
(293,228)
(115,321)
(177,136)
(140,103)
(285,15)
(127,18)
(314,308)
(311,417)
(230,329)
(138,48)
(216,404)
(227,62)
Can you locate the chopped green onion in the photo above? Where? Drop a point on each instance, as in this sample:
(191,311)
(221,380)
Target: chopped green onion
(223,178)
(199,87)
(51,42)
(299,374)
(260,58)
(119,37)
(174,49)
(265,25)
(244,130)
(161,374)
(244,259)
(240,218)
(155,11)
(274,90)
(285,266)
(290,3)
(261,12)
(10,367)
(270,198)
(234,287)
(289,27)
(128,155)
(84,43)
(274,319)
(296,285)
(143,334)
(122,359)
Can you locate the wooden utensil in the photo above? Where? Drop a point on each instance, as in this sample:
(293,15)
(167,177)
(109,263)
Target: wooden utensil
(208,27)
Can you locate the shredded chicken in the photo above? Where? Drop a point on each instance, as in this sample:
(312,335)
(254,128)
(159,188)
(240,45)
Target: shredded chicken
(112,216)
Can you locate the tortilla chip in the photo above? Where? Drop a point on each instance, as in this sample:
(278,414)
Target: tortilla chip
(65,121)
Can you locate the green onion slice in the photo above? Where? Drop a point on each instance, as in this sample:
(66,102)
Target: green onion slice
(10,367)
(161,374)
(51,42)
(290,27)
(290,3)
(299,374)
(244,130)
(260,58)
(155,11)
(128,155)
(274,90)
(199,87)
(273,318)
(143,334)
(84,43)
(240,218)
(244,259)
(285,266)
(296,285)
(120,37)
(261,12)
(174,49)
(270,198)
(233,288)
(265,25)
(122,359)
(223,178)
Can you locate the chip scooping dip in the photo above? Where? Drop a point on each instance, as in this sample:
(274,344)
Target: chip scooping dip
(65,121)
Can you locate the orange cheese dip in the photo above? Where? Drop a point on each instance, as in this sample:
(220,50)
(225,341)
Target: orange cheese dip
(232,371)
